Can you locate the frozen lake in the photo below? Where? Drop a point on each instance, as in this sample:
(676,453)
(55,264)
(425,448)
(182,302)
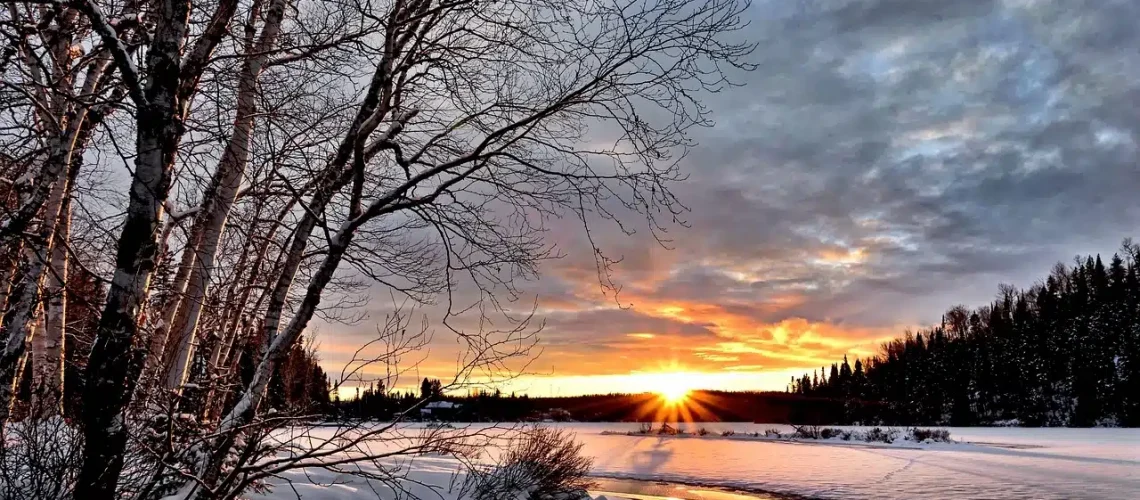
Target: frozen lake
(984,463)
(1014,463)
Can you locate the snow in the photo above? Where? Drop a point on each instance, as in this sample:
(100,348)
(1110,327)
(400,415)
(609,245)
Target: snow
(441,405)
(993,463)
(426,478)
(857,437)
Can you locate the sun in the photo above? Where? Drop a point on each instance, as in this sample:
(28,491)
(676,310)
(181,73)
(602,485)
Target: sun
(673,395)
(673,388)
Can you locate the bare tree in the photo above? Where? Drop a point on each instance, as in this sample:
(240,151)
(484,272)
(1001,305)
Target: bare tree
(500,127)
(161,93)
(58,91)
(47,383)
(215,207)
(422,146)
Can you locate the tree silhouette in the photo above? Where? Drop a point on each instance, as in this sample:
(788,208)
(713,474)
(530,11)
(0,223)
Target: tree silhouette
(1064,352)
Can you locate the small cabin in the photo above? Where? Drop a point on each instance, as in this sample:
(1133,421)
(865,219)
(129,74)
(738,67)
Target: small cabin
(439,410)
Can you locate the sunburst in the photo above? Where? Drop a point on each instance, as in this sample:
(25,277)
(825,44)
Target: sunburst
(673,395)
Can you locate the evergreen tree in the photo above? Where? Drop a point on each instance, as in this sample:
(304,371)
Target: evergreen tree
(1066,351)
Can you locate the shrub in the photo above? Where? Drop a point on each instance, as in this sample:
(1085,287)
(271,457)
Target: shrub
(817,432)
(845,435)
(542,464)
(805,431)
(39,458)
(645,428)
(771,432)
(885,436)
(728,433)
(829,432)
(702,431)
(668,430)
(924,435)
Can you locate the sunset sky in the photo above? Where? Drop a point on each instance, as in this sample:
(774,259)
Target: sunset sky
(887,159)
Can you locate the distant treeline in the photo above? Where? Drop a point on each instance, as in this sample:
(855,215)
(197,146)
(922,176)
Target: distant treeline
(1065,352)
(375,403)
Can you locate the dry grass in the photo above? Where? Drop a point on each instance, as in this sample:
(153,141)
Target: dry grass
(542,464)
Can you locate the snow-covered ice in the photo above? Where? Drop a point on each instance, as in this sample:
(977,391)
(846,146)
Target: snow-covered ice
(991,463)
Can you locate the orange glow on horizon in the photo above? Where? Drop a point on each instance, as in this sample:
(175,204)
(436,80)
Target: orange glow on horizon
(662,346)
(737,324)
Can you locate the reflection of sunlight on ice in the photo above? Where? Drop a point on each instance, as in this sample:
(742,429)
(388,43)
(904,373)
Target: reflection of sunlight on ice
(627,489)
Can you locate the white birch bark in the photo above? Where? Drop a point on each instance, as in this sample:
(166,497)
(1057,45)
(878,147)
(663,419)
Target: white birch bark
(24,302)
(157,360)
(66,121)
(48,359)
(218,201)
(8,273)
(162,100)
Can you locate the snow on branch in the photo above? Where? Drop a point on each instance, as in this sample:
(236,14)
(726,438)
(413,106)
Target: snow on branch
(123,60)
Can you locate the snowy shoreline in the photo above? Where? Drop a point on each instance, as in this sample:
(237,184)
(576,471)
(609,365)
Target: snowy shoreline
(906,445)
(883,437)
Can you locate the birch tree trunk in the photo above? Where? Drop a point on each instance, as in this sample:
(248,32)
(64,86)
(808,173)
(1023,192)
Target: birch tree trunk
(221,357)
(46,199)
(275,342)
(9,271)
(24,300)
(274,350)
(219,199)
(48,358)
(161,108)
(47,352)
(158,353)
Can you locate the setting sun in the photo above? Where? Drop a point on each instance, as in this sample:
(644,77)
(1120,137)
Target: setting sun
(672,387)
(673,395)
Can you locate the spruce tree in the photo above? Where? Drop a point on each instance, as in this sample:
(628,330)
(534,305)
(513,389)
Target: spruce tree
(1066,351)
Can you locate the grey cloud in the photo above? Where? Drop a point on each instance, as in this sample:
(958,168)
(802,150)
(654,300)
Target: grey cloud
(961,143)
(612,325)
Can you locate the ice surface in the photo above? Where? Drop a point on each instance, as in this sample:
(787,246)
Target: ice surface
(1013,463)
(991,463)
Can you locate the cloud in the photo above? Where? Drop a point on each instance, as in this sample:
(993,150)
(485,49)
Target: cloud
(888,159)
(891,150)
(612,323)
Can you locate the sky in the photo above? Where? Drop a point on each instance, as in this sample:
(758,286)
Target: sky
(887,160)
